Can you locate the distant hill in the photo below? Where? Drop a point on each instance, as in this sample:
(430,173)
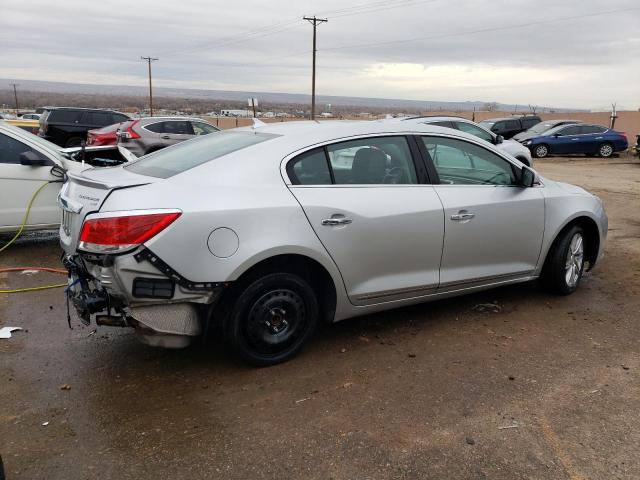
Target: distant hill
(267,97)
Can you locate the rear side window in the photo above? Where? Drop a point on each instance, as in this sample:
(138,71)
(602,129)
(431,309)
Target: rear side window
(65,116)
(366,161)
(511,125)
(591,129)
(572,130)
(117,118)
(170,161)
(100,119)
(201,128)
(529,122)
(442,124)
(157,127)
(310,168)
(178,128)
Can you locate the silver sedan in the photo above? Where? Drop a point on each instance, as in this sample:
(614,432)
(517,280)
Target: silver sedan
(261,234)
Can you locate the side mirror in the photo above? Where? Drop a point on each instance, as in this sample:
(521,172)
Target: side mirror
(527,177)
(32,159)
(499,139)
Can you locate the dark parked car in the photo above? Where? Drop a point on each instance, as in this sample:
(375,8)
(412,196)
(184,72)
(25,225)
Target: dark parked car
(590,140)
(68,127)
(510,126)
(540,128)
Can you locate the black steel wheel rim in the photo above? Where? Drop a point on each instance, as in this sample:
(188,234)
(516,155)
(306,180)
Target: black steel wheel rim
(275,322)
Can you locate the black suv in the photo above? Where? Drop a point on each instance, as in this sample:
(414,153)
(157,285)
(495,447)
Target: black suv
(510,126)
(67,126)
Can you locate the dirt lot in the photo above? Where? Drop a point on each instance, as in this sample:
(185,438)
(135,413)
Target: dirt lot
(546,388)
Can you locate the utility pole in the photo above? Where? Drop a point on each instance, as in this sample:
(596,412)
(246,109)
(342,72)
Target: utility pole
(15,95)
(149,60)
(315,22)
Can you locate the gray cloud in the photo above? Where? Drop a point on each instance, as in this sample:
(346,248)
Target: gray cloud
(510,51)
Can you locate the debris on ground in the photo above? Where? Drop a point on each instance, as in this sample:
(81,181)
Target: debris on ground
(412,355)
(44,424)
(470,441)
(66,386)
(303,399)
(5,332)
(487,307)
(515,425)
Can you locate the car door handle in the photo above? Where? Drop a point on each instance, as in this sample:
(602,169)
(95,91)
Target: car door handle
(332,222)
(166,137)
(462,216)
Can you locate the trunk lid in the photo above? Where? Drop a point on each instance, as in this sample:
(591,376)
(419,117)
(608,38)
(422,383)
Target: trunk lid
(85,192)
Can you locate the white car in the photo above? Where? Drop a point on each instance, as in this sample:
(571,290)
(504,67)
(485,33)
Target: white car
(27,162)
(260,234)
(513,148)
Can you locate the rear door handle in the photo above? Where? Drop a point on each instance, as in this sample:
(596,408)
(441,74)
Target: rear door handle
(462,216)
(166,137)
(333,221)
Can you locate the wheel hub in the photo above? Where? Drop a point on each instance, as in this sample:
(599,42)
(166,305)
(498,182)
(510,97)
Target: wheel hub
(575,259)
(277,321)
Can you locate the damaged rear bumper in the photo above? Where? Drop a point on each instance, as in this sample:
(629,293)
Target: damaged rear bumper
(142,292)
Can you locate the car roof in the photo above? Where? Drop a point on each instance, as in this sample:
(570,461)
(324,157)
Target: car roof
(144,119)
(301,134)
(84,109)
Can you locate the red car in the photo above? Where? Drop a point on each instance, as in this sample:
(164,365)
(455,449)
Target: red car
(103,136)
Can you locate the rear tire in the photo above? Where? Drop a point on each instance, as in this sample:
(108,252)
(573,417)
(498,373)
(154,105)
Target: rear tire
(73,142)
(564,266)
(605,150)
(272,319)
(541,151)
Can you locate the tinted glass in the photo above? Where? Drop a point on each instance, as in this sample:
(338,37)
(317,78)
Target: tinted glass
(461,163)
(310,168)
(591,129)
(572,130)
(201,128)
(376,160)
(117,118)
(11,149)
(65,116)
(511,125)
(99,119)
(178,127)
(156,127)
(442,124)
(176,159)
(529,122)
(474,130)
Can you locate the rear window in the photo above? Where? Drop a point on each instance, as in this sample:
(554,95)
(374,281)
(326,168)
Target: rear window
(64,116)
(170,161)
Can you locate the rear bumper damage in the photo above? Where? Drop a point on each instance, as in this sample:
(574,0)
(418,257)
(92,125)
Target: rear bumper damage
(142,292)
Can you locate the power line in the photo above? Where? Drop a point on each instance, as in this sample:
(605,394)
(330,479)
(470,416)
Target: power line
(315,22)
(149,60)
(481,30)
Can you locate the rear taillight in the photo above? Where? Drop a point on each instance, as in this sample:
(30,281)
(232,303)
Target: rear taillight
(130,132)
(118,232)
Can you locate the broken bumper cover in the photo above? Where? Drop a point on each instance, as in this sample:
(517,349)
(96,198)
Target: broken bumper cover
(142,292)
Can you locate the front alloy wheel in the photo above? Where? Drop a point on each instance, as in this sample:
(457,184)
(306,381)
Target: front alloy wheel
(541,151)
(605,150)
(564,266)
(575,260)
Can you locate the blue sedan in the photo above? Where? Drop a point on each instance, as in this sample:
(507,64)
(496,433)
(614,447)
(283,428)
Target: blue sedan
(587,139)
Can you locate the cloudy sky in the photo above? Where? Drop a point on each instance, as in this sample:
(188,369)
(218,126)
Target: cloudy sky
(570,53)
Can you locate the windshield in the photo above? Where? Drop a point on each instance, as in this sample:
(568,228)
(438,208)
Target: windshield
(183,156)
(33,138)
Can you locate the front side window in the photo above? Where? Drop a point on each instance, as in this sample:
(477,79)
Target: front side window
(462,163)
(512,125)
(376,160)
(11,149)
(572,130)
(157,127)
(529,122)
(474,130)
(201,128)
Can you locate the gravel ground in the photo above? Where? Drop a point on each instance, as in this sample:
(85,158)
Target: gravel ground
(545,388)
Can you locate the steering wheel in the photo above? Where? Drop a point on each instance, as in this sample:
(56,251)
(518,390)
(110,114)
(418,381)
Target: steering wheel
(393,176)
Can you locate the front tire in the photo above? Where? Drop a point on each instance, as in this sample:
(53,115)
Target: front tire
(565,262)
(605,150)
(272,319)
(541,151)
